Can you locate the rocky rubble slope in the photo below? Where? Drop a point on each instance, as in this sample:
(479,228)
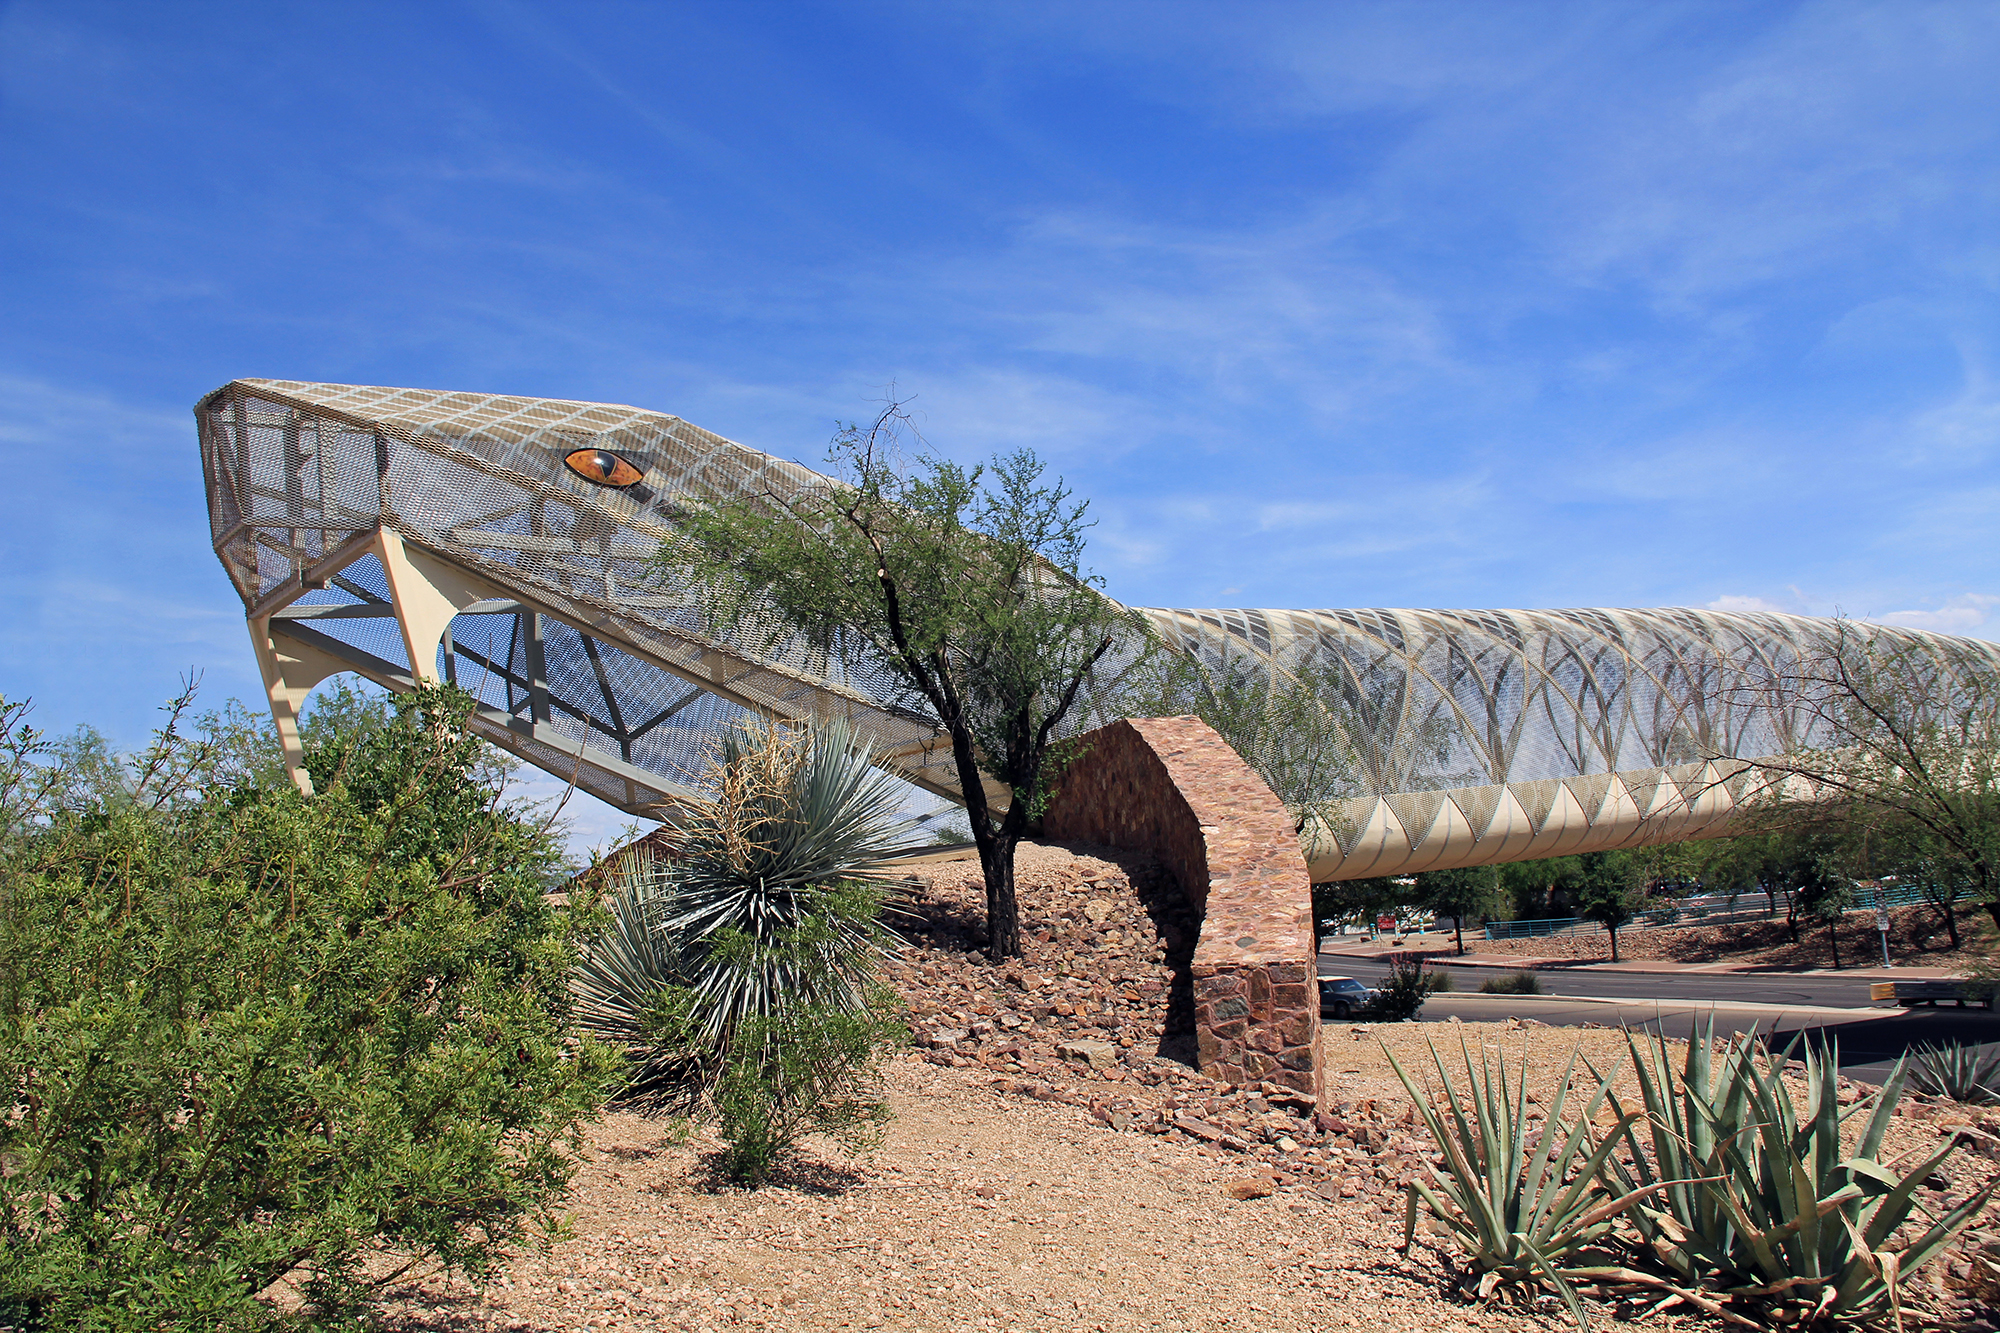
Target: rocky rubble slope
(1099,1014)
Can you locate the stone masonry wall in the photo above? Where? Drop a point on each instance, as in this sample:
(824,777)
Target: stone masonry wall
(1175,788)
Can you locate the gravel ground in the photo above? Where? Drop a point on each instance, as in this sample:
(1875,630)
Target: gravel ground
(983,1211)
(1054,1164)
(989,1210)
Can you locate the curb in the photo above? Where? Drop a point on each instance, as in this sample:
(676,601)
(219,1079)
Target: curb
(1559,966)
(1699,1006)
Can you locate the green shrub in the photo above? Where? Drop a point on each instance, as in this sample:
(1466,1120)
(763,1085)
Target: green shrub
(805,1069)
(1402,993)
(249,1035)
(1439,982)
(1514,983)
(739,969)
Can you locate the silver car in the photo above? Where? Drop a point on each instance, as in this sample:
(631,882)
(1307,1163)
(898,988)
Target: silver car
(1342,997)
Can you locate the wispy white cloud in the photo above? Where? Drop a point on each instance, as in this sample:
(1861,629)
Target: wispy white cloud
(111,592)
(1975,614)
(1220,317)
(1746,604)
(1963,430)
(1972,614)
(38,413)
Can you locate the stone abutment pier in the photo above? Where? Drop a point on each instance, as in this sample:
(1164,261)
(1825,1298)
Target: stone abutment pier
(1172,786)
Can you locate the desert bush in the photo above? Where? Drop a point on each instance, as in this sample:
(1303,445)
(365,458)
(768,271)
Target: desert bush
(246,1035)
(804,1069)
(1959,1071)
(1402,993)
(1514,983)
(1437,981)
(740,967)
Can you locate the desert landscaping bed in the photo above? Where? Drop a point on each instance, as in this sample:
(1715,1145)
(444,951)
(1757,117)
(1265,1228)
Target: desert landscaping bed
(990,1210)
(1916,937)
(983,1211)
(1054,1164)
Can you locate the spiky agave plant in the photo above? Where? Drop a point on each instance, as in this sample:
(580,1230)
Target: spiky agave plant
(1525,1203)
(1958,1070)
(766,905)
(627,981)
(1768,1210)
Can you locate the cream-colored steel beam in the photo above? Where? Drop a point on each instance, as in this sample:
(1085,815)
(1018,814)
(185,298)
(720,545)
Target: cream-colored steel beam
(290,670)
(1687,802)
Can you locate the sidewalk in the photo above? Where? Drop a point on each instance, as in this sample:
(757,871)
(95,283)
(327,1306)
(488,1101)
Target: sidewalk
(1440,955)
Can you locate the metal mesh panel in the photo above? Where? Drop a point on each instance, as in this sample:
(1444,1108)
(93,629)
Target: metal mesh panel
(612,788)
(294,469)
(1442,699)
(361,586)
(585,644)
(1478,805)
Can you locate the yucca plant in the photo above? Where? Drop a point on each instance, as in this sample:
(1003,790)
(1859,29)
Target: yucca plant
(1760,1213)
(628,981)
(777,893)
(761,920)
(1524,1204)
(1958,1070)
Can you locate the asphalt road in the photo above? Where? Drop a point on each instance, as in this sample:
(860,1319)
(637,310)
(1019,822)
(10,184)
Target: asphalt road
(1831,991)
(1868,1039)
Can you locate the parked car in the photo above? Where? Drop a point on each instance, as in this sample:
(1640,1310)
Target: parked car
(1341,997)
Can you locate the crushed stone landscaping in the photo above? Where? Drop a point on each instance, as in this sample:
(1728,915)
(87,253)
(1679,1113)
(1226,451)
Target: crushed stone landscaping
(1055,1164)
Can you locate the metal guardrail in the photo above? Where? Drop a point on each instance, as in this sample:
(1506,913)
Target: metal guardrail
(1528,930)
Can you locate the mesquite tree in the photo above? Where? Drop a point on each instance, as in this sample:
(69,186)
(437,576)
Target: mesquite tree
(964,585)
(1897,740)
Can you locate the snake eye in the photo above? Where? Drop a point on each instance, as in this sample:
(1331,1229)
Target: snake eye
(601,467)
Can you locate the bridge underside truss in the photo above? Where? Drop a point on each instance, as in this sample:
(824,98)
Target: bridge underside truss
(409,535)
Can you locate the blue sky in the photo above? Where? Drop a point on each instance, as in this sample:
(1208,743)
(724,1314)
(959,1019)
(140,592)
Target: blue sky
(1322,305)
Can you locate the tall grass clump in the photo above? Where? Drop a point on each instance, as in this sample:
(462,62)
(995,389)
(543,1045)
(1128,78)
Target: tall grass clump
(1514,983)
(740,968)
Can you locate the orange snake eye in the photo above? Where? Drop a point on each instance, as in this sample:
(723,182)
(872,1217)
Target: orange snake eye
(602,467)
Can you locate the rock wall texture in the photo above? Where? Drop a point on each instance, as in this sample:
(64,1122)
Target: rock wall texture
(1173,787)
